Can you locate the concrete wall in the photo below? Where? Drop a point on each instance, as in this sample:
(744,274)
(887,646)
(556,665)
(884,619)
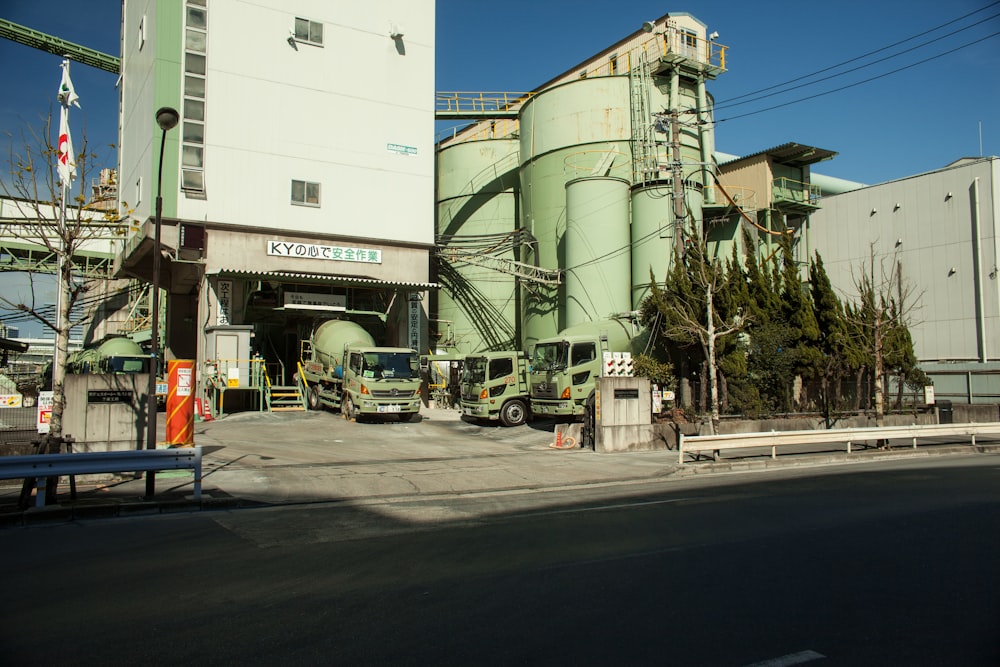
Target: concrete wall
(97,425)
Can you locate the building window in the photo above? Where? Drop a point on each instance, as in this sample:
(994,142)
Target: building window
(193,108)
(310,32)
(305,193)
(142,32)
(138,192)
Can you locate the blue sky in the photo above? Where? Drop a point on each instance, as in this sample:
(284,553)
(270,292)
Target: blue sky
(918,119)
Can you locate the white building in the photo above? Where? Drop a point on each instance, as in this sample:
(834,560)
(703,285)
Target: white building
(300,180)
(941,231)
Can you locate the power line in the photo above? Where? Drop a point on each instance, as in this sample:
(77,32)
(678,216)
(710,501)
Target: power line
(870,53)
(858,83)
(726,105)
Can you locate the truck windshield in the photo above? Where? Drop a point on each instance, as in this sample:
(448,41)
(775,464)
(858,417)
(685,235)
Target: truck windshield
(390,365)
(127,365)
(548,357)
(475,370)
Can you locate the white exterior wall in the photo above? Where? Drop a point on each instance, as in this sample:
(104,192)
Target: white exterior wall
(320,114)
(957,316)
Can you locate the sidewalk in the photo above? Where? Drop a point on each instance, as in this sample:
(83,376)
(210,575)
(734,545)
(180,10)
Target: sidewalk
(260,459)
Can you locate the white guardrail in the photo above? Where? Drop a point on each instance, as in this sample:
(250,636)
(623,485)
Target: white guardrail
(40,466)
(693,444)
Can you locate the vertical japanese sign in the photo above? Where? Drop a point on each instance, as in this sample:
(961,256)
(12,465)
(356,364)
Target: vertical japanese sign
(413,323)
(224,294)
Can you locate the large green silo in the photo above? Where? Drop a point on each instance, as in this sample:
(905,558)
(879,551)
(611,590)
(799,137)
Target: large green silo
(597,273)
(477,215)
(576,129)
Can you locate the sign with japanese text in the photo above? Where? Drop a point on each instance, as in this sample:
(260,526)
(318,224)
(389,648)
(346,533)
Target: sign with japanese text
(413,322)
(329,252)
(224,293)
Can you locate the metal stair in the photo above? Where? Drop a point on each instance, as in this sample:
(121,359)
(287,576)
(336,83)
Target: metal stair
(283,398)
(286,399)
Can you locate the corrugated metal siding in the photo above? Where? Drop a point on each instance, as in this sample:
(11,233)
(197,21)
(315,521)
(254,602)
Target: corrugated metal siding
(930,234)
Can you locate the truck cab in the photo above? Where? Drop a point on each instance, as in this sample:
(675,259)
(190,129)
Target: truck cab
(381,381)
(494,387)
(564,372)
(565,369)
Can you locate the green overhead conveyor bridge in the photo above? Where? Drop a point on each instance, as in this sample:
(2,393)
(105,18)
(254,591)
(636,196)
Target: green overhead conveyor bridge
(60,47)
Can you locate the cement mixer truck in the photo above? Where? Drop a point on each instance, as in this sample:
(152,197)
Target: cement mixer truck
(113,354)
(565,369)
(343,369)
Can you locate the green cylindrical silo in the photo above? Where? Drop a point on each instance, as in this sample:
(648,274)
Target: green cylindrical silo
(652,235)
(597,273)
(653,230)
(477,216)
(571,130)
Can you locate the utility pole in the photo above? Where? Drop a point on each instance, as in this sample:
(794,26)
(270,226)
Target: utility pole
(680,206)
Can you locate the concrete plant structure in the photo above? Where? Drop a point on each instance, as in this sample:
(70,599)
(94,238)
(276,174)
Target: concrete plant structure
(555,206)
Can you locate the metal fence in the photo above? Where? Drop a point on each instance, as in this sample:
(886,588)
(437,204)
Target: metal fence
(18,425)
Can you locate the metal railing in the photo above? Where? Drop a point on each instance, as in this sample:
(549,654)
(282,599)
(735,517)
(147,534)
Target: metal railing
(788,190)
(477,105)
(41,466)
(715,444)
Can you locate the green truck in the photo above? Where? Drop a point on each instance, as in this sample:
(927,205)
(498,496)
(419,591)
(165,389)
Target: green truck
(343,369)
(565,369)
(494,387)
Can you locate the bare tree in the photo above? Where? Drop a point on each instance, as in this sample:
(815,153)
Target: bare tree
(34,216)
(689,312)
(885,302)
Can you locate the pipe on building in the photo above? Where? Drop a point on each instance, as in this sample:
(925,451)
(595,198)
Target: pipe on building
(703,141)
(978,259)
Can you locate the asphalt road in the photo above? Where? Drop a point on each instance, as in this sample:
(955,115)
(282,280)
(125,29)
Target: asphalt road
(872,565)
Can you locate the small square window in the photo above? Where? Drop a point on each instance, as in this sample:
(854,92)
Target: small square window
(194,64)
(192,156)
(197,18)
(195,41)
(194,132)
(305,193)
(192,180)
(308,31)
(194,86)
(194,110)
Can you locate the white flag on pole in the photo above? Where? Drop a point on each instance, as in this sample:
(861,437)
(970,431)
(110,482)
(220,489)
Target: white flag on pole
(67,158)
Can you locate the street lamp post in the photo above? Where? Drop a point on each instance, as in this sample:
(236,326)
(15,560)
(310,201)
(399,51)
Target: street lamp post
(166,119)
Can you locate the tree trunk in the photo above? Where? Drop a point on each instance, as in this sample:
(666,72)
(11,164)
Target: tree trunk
(713,388)
(858,388)
(63,326)
(878,379)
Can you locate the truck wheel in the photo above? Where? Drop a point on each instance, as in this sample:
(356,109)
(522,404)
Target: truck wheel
(347,409)
(312,398)
(513,413)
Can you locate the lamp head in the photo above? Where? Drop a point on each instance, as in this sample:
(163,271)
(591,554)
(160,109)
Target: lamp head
(167,118)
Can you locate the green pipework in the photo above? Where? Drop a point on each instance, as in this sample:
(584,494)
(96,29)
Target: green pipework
(168,79)
(705,140)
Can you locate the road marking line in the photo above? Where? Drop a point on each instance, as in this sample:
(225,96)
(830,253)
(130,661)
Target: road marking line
(790,659)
